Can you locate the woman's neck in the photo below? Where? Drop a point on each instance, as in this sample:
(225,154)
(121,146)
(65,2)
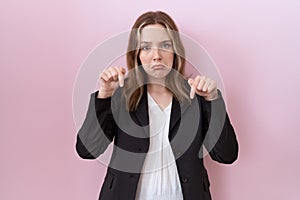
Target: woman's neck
(161,95)
(157,88)
(156,85)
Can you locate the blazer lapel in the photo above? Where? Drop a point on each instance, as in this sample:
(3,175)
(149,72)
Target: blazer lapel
(141,114)
(142,111)
(176,113)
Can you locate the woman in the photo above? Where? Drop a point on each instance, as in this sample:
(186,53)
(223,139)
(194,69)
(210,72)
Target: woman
(157,119)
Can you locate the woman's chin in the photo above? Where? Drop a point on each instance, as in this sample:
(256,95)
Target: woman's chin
(158,75)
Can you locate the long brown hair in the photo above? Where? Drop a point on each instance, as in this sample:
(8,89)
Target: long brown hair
(133,88)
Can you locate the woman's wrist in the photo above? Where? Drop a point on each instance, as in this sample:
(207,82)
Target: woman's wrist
(102,94)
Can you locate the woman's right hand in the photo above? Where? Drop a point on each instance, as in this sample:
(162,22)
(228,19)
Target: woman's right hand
(110,79)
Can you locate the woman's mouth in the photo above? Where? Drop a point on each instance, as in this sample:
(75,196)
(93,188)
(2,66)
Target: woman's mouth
(158,67)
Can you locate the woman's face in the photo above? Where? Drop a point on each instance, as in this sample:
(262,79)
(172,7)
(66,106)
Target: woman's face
(156,51)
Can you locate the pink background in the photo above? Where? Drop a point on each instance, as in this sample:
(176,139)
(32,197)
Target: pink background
(255,45)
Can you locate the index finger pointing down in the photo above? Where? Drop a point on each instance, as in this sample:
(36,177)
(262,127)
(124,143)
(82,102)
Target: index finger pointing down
(121,76)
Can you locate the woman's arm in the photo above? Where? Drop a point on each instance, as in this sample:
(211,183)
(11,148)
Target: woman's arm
(98,129)
(220,139)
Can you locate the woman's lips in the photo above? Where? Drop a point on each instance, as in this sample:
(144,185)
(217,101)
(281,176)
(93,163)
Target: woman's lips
(158,67)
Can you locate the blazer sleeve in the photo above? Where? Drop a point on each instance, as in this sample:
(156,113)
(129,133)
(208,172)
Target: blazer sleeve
(97,130)
(219,138)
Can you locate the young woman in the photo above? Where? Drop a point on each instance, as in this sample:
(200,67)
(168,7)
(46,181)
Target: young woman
(158,120)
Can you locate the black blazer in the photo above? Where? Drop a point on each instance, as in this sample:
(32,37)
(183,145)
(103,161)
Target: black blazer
(191,126)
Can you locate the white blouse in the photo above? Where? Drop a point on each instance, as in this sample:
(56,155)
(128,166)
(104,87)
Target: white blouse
(159,177)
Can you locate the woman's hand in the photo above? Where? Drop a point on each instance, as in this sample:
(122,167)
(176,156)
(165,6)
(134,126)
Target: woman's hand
(110,79)
(203,86)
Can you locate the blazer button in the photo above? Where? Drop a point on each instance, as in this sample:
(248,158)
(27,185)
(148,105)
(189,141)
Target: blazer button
(185,179)
(140,149)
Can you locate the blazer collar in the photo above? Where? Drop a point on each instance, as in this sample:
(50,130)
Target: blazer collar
(142,115)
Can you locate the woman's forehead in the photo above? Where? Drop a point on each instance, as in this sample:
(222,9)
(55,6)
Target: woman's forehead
(154,33)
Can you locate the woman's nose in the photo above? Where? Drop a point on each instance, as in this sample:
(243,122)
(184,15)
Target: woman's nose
(156,54)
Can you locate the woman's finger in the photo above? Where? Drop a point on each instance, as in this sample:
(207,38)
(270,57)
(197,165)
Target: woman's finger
(192,91)
(211,87)
(201,83)
(108,74)
(121,72)
(193,83)
(104,77)
(205,86)
(114,73)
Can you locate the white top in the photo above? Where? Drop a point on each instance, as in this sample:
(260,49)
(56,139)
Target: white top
(159,177)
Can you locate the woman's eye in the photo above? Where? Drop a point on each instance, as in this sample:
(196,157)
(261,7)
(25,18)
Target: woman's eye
(146,48)
(166,46)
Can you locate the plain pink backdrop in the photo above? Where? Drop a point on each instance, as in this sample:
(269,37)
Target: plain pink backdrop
(255,45)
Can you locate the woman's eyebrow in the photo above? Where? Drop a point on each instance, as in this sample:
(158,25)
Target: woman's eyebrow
(158,42)
(145,42)
(165,41)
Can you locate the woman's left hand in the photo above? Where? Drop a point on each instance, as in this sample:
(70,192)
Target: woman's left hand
(203,86)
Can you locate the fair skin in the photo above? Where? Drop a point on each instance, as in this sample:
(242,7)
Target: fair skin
(156,55)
